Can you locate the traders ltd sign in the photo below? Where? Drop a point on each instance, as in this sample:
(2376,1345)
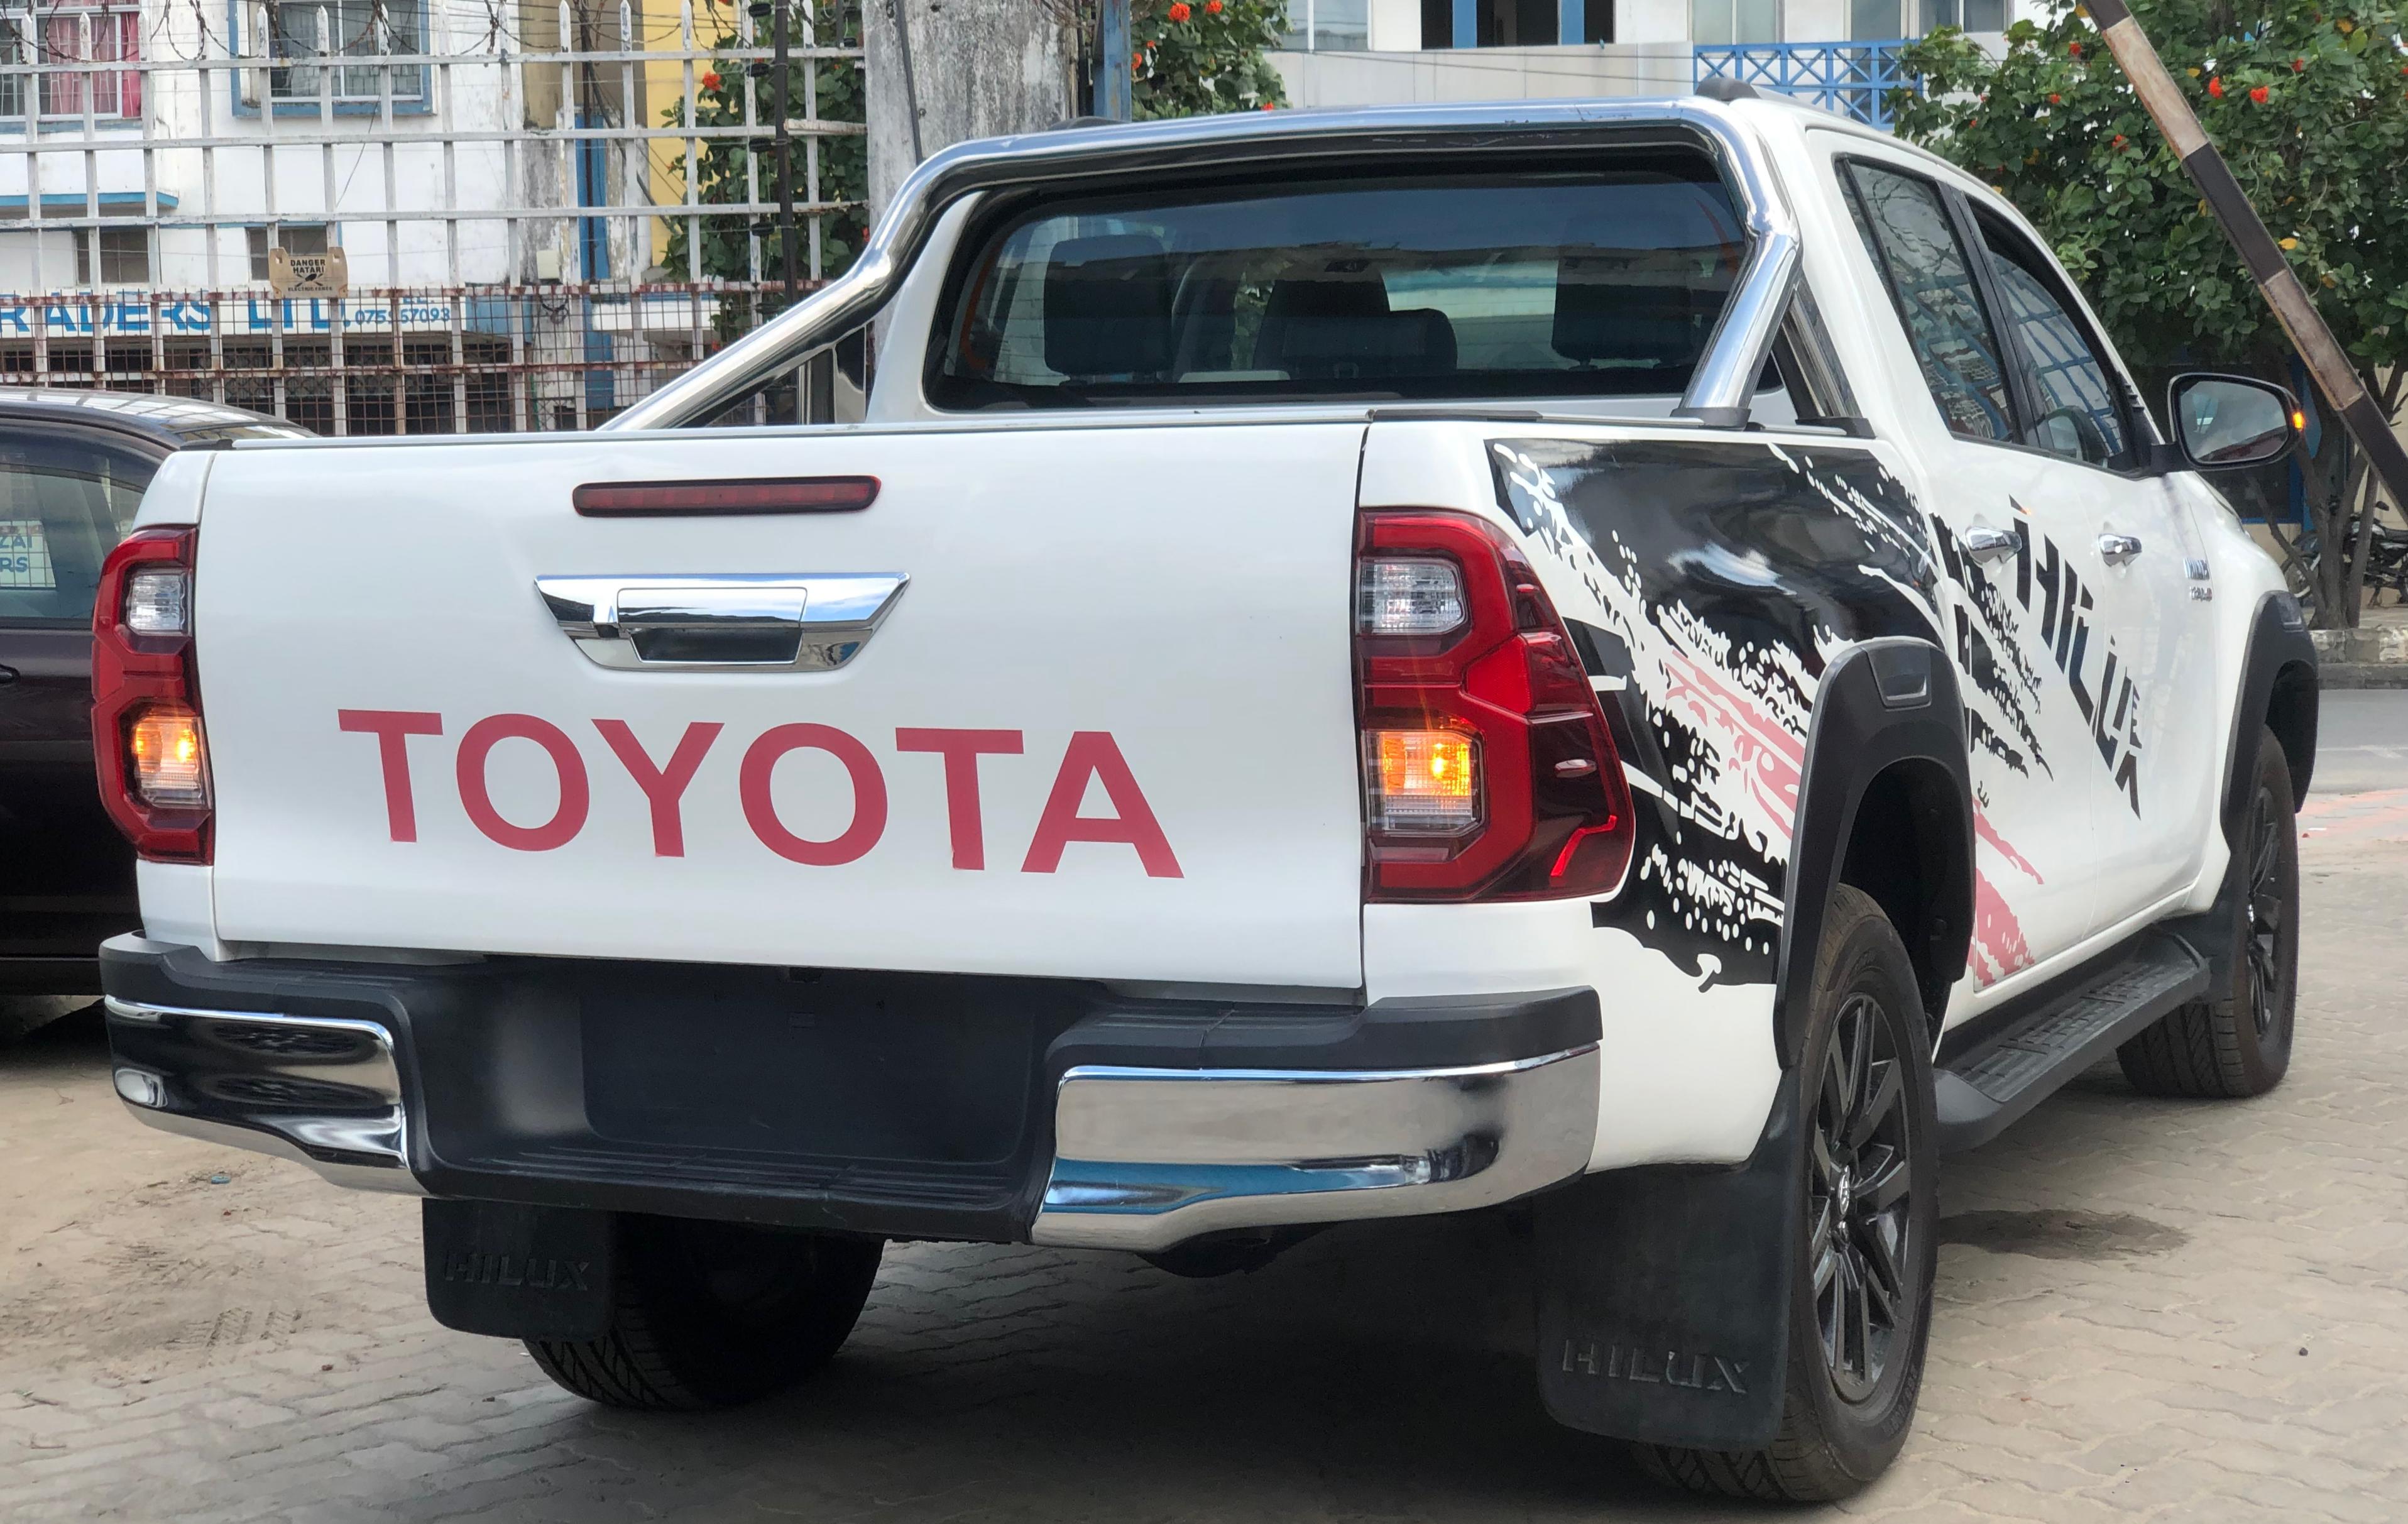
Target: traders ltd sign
(131,317)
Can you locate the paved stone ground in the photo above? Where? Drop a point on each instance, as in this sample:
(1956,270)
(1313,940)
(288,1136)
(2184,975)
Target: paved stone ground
(2148,1309)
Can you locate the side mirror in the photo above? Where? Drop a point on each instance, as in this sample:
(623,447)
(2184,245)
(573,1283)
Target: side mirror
(2224,422)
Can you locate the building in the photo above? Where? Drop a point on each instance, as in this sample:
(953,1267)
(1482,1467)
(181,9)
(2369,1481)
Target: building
(1842,53)
(365,215)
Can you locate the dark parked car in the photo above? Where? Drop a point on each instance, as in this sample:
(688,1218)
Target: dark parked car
(73,465)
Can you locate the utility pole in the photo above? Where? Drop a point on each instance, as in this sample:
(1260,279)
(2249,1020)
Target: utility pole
(2318,350)
(1115,92)
(783,138)
(942,72)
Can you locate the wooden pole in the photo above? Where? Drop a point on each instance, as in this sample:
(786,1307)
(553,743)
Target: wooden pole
(2318,350)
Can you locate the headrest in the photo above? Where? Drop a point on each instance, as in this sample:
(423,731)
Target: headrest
(1108,307)
(1417,342)
(1603,314)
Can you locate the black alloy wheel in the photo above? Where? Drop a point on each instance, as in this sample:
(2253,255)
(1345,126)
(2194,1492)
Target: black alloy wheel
(2237,1041)
(2267,913)
(1860,1208)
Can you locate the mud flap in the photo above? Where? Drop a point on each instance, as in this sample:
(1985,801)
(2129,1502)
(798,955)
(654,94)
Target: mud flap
(1664,1296)
(520,1272)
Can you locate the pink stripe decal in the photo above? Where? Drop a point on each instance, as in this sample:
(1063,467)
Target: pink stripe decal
(1764,752)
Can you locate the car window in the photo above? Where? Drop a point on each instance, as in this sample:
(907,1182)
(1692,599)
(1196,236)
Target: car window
(2078,416)
(1906,228)
(65,503)
(1602,283)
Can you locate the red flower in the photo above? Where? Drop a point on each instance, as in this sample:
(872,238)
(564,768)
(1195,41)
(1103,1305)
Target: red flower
(2057,100)
(2119,142)
(1211,7)
(1179,11)
(2298,65)
(2262,94)
(1271,106)
(710,80)
(2215,86)
(2074,48)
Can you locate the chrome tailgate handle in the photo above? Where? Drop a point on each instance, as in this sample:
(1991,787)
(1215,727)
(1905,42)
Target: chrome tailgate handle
(783,621)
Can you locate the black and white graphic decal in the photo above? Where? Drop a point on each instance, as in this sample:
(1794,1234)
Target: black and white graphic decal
(1719,577)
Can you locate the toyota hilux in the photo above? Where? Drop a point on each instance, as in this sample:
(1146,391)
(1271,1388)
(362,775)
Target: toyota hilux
(1643,664)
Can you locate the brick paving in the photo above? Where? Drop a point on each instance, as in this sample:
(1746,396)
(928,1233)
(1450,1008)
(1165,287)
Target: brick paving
(2148,1309)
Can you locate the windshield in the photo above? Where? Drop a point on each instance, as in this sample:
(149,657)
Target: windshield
(1602,282)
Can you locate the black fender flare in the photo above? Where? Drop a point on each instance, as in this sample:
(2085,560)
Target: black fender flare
(1882,702)
(2278,642)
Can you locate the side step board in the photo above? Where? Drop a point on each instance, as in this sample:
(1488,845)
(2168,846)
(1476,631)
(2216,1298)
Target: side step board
(2009,1073)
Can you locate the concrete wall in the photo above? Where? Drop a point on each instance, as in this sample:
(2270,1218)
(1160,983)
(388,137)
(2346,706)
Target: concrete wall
(1396,25)
(1485,74)
(976,71)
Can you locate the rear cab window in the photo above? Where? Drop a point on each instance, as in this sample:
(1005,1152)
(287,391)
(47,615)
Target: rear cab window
(65,500)
(1596,283)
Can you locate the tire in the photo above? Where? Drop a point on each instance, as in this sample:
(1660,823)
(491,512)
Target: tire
(1849,1404)
(710,1314)
(2237,1042)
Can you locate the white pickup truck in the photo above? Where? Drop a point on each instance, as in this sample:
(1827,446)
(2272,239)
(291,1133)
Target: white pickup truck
(1638,663)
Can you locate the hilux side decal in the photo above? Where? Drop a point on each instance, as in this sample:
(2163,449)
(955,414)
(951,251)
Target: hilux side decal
(1992,641)
(1718,578)
(1708,583)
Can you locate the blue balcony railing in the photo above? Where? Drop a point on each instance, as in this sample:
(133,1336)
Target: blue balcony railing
(1853,79)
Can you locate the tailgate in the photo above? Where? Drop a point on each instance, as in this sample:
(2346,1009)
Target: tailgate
(1104,730)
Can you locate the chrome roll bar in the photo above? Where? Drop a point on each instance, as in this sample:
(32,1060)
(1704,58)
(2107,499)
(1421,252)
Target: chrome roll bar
(1718,393)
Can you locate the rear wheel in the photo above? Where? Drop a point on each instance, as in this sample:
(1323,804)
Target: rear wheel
(709,1314)
(2237,1042)
(1861,1309)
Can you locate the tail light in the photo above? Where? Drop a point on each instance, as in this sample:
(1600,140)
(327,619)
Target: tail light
(1488,770)
(145,700)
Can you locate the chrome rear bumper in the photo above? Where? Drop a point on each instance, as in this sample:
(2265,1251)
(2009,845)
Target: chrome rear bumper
(1148,1157)
(324,1092)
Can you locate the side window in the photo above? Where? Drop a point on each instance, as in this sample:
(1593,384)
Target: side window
(1906,226)
(2078,416)
(63,506)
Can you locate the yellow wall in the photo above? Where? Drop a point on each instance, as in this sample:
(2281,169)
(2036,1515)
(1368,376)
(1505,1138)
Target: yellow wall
(665,88)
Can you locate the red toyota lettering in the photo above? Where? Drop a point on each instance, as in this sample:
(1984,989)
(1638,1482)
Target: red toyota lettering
(961,750)
(662,786)
(391,729)
(567,820)
(1091,754)
(761,810)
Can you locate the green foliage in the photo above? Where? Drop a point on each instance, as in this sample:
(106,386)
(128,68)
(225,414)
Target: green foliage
(1196,57)
(2309,104)
(844,163)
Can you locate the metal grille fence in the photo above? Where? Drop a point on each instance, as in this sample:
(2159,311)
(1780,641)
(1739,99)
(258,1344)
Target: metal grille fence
(1854,78)
(404,216)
